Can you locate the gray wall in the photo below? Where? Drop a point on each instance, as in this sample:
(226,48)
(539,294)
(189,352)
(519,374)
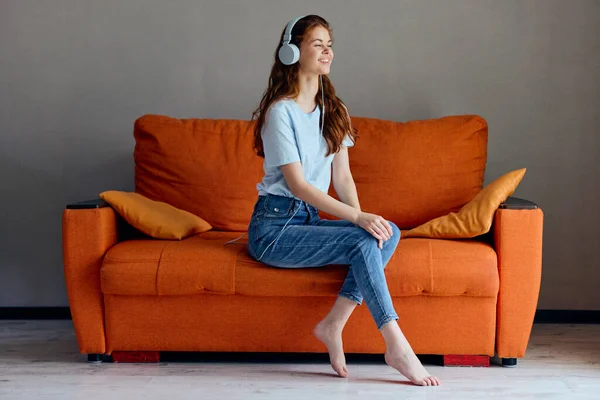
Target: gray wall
(74,75)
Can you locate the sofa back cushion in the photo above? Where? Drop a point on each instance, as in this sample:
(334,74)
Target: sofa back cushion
(204,166)
(412,172)
(407,172)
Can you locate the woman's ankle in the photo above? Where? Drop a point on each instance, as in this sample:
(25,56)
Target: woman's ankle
(393,336)
(340,312)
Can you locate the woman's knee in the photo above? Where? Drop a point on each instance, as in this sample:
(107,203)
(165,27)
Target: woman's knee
(368,238)
(395,231)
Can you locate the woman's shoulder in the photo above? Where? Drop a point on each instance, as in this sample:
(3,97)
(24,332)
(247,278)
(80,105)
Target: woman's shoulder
(282,107)
(282,104)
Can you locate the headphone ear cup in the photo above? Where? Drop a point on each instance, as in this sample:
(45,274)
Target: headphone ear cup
(289,54)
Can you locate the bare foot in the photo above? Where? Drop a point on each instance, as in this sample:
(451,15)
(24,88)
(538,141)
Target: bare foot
(331,336)
(407,363)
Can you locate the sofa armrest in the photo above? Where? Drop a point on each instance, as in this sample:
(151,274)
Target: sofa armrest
(89,229)
(517,237)
(515,203)
(94,203)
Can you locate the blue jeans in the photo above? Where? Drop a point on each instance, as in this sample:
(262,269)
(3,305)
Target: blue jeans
(286,232)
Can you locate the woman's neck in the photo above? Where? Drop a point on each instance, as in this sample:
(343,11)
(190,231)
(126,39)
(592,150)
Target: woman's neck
(308,89)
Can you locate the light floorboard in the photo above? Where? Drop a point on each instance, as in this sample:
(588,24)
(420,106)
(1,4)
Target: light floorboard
(40,360)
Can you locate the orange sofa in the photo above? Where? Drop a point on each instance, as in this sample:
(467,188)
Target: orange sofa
(469,297)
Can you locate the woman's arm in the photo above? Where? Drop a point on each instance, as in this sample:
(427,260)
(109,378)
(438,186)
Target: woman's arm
(346,191)
(372,223)
(294,177)
(343,182)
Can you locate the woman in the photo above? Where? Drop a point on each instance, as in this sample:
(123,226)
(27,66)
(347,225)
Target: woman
(300,147)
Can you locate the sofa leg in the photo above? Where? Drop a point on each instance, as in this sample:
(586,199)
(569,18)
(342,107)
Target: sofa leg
(94,358)
(135,356)
(456,360)
(509,362)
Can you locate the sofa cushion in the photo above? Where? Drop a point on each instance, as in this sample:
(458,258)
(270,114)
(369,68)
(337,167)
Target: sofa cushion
(412,172)
(420,266)
(198,264)
(476,217)
(204,166)
(154,218)
(409,172)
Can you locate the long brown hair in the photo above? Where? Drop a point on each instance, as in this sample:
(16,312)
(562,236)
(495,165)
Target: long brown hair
(283,82)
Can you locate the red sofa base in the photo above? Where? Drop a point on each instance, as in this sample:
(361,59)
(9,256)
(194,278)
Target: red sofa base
(449,360)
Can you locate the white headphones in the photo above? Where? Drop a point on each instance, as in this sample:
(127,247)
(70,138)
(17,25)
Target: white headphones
(289,54)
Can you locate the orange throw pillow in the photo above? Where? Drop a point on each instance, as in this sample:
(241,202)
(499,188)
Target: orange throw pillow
(154,218)
(475,218)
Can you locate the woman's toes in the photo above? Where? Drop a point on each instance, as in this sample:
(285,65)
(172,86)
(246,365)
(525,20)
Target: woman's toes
(340,368)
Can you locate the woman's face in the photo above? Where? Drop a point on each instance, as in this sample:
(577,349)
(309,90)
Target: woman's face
(316,53)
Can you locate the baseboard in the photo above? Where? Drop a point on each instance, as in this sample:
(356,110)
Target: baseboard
(541,316)
(567,317)
(35,313)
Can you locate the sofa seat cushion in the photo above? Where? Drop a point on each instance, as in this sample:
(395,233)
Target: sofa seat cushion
(420,266)
(198,264)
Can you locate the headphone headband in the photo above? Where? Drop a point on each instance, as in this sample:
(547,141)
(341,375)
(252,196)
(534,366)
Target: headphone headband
(287,36)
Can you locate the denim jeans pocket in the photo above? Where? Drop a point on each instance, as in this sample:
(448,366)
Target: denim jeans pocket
(275,207)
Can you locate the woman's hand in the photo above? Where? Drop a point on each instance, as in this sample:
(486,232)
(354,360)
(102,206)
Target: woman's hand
(376,225)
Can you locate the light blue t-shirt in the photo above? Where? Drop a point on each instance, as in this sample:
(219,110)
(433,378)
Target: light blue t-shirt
(289,134)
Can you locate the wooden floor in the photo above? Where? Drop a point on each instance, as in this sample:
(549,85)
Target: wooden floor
(40,360)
